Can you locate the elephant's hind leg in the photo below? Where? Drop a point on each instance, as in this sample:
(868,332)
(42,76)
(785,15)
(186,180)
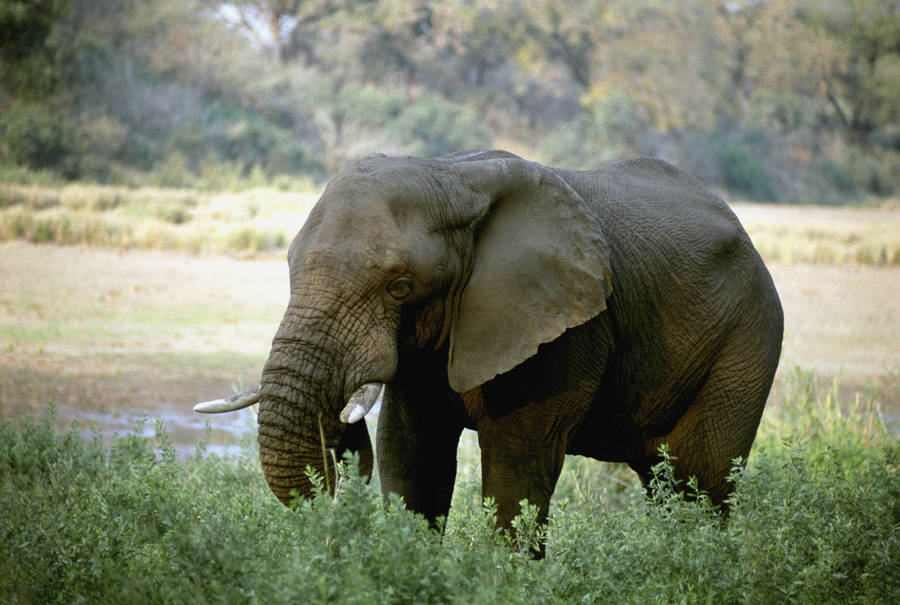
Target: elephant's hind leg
(721,423)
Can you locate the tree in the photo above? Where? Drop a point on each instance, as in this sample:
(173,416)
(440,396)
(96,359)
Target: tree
(27,47)
(290,25)
(846,54)
(572,33)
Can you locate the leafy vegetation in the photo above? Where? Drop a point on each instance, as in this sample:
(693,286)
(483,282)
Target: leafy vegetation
(815,517)
(782,100)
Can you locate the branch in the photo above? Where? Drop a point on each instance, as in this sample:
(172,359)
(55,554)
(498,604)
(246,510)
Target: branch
(837,106)
(245,21)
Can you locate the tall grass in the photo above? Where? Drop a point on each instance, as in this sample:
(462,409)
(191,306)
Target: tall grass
(266,218)
(815,518)
(256,220)
(789,234)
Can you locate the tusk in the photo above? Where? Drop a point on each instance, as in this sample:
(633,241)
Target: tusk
(244,399)
(361,401)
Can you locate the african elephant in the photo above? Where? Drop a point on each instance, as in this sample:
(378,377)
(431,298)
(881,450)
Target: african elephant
(600,313)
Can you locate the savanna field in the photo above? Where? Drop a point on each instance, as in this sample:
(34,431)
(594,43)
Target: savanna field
(122,307)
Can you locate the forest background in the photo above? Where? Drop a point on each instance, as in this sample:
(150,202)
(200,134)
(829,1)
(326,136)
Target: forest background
(778,100)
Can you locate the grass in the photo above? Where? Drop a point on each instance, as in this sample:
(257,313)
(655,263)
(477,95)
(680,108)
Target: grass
(257,220)
(816,518)
(265,219)
(827,235)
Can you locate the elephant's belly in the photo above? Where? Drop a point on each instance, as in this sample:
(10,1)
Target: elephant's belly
(606,437)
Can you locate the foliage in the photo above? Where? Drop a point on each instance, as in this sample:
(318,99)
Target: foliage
(27,43)
(815,517)
(438,128)
(592,138)
(744,173)
(37,137)
(164,92)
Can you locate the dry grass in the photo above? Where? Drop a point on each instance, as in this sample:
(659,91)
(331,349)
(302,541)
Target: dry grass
(172,219)
(828,235)
(266,219)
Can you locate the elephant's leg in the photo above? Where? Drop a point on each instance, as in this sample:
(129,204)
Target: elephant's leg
(514,469)
(721,423)
(417,456)
(356,439)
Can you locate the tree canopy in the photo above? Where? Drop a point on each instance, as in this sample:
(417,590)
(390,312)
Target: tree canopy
(773,99)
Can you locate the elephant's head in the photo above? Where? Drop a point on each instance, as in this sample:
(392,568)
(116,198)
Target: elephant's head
(482,255)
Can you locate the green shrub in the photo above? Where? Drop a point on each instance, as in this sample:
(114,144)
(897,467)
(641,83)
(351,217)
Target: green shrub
(603,134)
(24,175)
(875,171)
(232,146)
(435,127)
(784,112)
(815,517)
(358,106)
(743,172)
(38,137)
(836,175)
(173,172)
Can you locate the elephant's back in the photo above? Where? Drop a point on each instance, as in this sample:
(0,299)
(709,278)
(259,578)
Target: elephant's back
(652,193)
(656,214)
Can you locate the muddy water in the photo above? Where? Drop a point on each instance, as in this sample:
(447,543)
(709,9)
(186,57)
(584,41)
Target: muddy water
(228,434)
(114,404)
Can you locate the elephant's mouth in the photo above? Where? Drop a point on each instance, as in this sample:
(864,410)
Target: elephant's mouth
(358,405)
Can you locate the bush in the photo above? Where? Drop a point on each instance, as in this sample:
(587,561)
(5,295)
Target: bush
(784,112)
(835,175)
(743,172)
(432,128)
(358,106)
(815,517)
(23,175)
(232,146)
(877,172)
(604,134)
(38,137)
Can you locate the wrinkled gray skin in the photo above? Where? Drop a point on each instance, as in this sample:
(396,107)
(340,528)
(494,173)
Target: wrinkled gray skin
(598,313)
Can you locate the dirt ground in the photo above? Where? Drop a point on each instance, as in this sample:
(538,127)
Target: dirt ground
(107,334)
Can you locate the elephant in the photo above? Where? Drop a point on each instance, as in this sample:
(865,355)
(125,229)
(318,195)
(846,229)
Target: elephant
(601,313)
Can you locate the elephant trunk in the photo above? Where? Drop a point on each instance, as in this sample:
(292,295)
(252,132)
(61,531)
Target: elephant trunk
(300,424)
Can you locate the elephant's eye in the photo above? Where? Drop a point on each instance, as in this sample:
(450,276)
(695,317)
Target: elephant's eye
(400,288)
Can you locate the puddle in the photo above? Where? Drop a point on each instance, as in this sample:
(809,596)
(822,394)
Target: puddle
(185,429)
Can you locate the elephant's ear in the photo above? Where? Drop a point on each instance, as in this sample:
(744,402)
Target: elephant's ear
(540,266)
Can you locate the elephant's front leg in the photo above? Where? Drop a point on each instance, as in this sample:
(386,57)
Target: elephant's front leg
(416,448)
(514,469)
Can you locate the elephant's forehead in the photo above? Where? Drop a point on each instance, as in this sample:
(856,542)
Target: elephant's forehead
(408,183)
(376,204)
(351,227)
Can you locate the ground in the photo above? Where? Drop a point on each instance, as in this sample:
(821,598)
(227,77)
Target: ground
(106,334)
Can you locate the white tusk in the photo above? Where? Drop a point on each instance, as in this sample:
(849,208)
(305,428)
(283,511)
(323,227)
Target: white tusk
(244,399)
(361,401)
